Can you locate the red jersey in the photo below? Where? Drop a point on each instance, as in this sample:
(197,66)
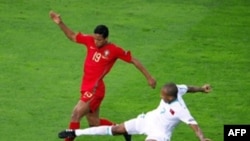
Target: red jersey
(99,61)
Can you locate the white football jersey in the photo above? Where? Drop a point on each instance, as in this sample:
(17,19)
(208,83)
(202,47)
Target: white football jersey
(166,116)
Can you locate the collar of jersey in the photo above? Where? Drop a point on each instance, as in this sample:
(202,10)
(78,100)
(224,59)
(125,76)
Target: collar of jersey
(172,101)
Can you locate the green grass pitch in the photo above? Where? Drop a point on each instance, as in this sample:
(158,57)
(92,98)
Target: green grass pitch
(192,42)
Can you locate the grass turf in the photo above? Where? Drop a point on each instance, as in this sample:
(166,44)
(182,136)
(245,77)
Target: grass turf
(193,42)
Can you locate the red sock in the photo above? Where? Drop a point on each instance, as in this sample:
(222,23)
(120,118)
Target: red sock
(106,122)
(73,125)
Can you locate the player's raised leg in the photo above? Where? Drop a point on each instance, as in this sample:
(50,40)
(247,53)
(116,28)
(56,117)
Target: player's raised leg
(80,110)
(93,119)
(100,130)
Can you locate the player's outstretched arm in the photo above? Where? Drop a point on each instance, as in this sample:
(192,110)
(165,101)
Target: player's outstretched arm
(67,31)
(206,88)
(198,132)
(139,66)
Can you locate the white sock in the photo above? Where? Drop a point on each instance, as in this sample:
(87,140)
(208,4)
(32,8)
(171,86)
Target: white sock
(99,130)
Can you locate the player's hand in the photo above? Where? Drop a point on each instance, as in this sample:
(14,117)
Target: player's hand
(55,17)
(206,88)
(152,82)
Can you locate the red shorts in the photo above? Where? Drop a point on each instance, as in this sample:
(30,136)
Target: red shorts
(95,97)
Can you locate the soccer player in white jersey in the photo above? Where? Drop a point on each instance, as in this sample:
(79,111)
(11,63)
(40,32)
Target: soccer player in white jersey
(157,124)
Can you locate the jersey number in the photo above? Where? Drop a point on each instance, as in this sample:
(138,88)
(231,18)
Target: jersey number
(97,56)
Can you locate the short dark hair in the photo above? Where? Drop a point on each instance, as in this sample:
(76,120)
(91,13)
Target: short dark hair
(171,89)
(102,30)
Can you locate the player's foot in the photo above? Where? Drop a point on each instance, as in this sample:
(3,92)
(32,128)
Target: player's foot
(68,133)
(127,137)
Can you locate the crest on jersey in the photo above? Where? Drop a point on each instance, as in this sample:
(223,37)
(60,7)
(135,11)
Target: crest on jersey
(171,111)
(106,54)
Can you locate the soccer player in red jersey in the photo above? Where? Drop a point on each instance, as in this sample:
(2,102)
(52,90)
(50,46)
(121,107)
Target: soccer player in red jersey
(101,56)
